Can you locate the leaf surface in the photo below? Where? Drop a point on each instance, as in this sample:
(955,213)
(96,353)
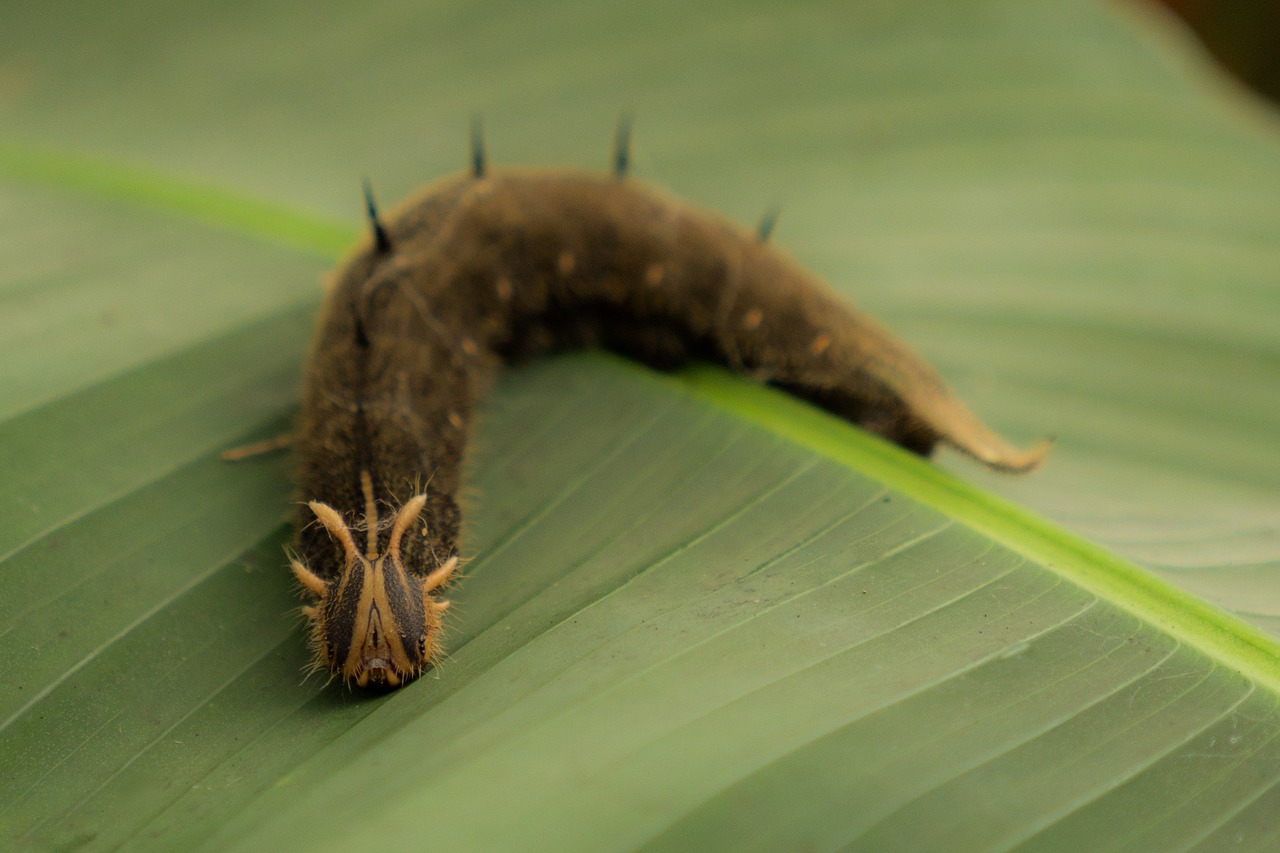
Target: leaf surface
(699,615)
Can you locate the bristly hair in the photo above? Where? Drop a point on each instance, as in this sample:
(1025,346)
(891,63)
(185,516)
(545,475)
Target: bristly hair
(380,238)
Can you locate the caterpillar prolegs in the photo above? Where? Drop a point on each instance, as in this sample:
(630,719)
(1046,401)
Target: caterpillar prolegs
(494,266)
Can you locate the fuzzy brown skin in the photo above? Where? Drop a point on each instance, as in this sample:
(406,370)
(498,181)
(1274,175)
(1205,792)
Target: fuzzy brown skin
(483,270)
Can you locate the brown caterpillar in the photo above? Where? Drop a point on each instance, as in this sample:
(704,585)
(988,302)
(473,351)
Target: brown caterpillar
(494,266)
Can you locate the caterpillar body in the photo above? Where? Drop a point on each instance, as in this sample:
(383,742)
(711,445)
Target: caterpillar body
(494,266)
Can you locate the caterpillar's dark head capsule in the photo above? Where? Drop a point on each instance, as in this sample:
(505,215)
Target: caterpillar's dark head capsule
(376,624)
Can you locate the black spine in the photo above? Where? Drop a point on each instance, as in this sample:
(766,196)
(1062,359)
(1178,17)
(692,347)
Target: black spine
(478,158)
(380,238)
(767,223)
(622,147)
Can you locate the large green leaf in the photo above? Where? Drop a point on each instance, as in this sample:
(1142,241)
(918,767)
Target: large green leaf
(699,614)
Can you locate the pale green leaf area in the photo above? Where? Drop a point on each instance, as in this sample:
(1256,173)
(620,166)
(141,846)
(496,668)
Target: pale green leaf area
(698,615)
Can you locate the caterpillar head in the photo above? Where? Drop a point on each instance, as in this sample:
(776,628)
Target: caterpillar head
(376,624)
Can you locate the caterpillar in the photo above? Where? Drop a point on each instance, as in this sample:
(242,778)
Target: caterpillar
(495,266)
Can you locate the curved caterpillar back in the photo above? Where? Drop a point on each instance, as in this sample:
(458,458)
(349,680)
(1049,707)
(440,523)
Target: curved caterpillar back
(498,265)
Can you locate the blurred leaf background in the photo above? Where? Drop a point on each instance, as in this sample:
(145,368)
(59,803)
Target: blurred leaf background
(1067,209)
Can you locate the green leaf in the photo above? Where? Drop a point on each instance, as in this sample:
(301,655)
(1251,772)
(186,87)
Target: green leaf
(699,615)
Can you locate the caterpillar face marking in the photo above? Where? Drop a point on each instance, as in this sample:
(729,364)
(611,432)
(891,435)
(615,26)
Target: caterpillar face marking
(494,266)
(375,623)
